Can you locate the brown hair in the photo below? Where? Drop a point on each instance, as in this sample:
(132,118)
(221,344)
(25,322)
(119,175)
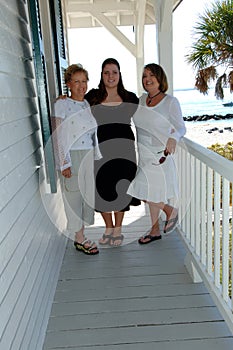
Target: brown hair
(102,92)
(72,69)
(160,75)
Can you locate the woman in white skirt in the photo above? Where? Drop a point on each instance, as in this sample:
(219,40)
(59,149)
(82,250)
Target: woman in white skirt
(77,147)
(159,125)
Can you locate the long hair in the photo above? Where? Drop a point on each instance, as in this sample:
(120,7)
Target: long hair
(160,75)
(102,92)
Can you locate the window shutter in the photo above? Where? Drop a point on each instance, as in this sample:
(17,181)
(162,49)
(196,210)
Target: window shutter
(59,44)
(41,83)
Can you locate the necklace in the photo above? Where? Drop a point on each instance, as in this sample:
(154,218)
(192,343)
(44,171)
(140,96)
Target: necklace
(151,98)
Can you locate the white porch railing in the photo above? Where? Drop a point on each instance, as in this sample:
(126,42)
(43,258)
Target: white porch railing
(206,221)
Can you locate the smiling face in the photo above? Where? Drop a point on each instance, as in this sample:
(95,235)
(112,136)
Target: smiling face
(78,85)
(150,82)
(110,75)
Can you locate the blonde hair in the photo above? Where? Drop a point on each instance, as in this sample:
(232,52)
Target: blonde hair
(75,68)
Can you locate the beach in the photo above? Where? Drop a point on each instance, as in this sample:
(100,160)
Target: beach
(207,133)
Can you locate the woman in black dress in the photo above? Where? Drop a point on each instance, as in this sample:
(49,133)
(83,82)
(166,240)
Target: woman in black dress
(113,107)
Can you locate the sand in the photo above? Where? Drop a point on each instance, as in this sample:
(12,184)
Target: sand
(198,132)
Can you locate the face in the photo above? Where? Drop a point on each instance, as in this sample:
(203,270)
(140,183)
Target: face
(78,85)
(150,82)
(111,75)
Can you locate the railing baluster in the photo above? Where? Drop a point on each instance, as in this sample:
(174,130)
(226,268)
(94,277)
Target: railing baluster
(209,209)
(203,213)
(188,190)
(225,238)
(183,186)
(198,189)
(192,203)
(217,229)
(231,257)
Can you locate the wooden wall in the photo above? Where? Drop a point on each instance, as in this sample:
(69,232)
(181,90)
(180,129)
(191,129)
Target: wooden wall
(31,247)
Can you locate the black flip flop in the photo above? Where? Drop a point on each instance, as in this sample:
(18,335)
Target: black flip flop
(151,239)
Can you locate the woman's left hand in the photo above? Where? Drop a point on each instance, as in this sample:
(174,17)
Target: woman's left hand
(171,146)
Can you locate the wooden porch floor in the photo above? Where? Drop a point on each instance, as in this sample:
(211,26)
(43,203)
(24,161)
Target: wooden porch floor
(133,298)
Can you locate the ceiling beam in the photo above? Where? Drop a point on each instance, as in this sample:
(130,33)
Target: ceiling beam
(101,6)
(104,21)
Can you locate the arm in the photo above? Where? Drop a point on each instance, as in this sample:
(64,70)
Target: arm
(62,154)
(176,119)
(178,129)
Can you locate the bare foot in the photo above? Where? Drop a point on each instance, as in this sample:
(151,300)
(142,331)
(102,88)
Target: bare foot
(117,237)
(171,221)
(106,236)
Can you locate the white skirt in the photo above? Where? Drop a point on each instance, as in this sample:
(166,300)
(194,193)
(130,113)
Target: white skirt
(155,182)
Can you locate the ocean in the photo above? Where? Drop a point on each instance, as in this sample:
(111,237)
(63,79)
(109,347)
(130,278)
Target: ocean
(194,103)
(210,131)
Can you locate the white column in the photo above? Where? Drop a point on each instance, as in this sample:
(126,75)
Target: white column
(164,33)
(139,42)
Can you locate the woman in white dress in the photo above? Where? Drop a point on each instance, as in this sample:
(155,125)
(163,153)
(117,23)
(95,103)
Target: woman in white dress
(159,125)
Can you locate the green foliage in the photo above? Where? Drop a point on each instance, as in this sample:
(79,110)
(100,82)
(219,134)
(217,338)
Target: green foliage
(224,150)
(227,152)
(213,47)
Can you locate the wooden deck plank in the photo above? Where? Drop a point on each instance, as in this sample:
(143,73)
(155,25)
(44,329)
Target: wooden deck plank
(133,297)
(146,334)
(194,344)
(134,318)
(132,304)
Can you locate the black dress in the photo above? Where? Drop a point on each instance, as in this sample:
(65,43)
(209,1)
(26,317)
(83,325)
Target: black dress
(117,168)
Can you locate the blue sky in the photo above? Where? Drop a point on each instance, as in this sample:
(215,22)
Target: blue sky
(91,47)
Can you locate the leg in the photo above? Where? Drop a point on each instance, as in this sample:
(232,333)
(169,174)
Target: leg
(79,236)
(171,213)
(108,220)
(154,214)
(117,237)
(119,216)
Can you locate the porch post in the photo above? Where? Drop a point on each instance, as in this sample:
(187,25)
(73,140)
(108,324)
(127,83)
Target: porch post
(139,42)
(164,36)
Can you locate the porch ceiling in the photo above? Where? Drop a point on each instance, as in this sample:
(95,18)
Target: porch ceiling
(92,13)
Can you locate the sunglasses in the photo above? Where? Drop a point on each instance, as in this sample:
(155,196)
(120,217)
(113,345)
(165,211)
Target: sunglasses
(163,158)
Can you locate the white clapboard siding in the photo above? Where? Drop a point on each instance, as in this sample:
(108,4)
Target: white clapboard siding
(31,247)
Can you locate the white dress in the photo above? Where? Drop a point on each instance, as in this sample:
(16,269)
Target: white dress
(155,182)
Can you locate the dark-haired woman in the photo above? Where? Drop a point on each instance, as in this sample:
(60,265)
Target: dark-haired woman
(159,124)
(113,107)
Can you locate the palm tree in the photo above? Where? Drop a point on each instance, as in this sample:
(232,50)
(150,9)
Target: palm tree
(213,48)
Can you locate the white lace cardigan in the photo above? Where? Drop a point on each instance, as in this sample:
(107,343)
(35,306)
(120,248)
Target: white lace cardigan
(73,125)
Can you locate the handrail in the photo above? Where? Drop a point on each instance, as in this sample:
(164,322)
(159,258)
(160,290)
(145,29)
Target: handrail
(206,219)
(218,163)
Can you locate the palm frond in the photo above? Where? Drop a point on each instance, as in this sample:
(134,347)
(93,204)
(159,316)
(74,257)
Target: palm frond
(230,80)
(213,46)
(219,87)
(203,78)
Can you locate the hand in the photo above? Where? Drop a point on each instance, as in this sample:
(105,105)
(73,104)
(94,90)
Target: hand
(66,173)
(61,97)
(171,146)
